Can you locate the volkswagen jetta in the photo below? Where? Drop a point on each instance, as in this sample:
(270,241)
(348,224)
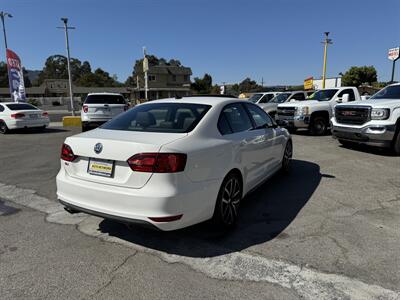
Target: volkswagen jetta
(172,163)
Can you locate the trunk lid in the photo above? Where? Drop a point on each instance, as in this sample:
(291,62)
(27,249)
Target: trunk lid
(33,114)
(117,147)
(104,110)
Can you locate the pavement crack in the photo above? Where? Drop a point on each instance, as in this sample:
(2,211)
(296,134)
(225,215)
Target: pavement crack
(112,278)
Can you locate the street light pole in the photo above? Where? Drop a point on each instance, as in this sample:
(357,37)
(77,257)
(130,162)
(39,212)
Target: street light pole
(326,43)
(145,69)
(65,20)
(2,16)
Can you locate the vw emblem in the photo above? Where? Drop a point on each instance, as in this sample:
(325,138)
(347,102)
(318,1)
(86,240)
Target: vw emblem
(98,148)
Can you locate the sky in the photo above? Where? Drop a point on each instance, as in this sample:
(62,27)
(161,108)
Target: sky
(277,41)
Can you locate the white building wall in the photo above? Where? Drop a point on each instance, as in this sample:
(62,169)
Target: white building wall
(329,83)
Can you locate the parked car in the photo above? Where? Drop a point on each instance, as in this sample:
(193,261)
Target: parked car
(99,108)
(375,121)
(271,106)
(18,115)
(172,163)
(263,97)
(315,113)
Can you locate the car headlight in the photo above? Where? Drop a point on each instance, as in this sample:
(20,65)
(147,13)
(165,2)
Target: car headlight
(380,113)
(302,111)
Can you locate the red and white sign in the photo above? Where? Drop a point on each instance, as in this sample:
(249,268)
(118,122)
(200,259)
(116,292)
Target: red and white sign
(15,76)
(394,53)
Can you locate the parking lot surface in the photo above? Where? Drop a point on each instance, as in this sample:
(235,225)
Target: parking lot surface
(328,230)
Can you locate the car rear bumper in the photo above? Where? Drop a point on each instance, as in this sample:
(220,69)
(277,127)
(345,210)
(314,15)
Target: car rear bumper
(157,199)
(19,124)
(374,135)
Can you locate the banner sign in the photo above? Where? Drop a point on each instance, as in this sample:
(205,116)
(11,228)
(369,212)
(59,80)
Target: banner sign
(309,83)
(15,77)
(394,53)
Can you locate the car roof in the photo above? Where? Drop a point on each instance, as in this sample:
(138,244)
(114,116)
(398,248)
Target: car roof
(199,100)
(15,103)
(105,93)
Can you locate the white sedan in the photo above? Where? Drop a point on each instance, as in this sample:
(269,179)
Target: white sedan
(18,115)
(172,163)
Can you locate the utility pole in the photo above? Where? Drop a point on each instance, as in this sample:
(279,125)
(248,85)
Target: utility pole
(2,16)
(65,27)
(145,69)
(326,42)
(262,81)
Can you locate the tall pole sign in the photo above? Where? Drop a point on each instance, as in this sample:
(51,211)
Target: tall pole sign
(326,42)
(393,55)
(145,70)
(71,94)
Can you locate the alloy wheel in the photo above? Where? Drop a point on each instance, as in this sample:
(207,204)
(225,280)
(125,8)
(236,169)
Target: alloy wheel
(230,201)
(3,127)
(287,156)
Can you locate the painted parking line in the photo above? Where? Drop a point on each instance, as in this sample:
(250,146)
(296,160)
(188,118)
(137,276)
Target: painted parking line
(308,283)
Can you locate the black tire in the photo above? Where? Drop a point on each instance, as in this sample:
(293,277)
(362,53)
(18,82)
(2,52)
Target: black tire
(292,130)
(287,157)
(318,126)
(85,127)
(3,128)
(396,143)
(228,202)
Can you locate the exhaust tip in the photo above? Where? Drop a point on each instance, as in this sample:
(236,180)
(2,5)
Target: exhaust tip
(70,210)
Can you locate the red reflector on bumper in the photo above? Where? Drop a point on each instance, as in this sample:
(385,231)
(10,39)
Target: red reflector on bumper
(166,219)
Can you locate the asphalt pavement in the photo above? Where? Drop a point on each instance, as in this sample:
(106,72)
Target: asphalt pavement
(328,230)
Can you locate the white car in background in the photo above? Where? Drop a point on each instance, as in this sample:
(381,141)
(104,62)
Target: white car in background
(172,163)
(264,97)
(19,115)
(99,108)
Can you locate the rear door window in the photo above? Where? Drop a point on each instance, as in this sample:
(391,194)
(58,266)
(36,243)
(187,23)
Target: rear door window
(299,96)
(352,97)
(237,118)
(261,118)
(105,99)
(1,108)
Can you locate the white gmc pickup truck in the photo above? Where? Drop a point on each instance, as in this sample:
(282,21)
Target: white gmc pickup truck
(375,121)
(314,114)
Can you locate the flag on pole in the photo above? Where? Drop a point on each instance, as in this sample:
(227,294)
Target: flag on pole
(15,77)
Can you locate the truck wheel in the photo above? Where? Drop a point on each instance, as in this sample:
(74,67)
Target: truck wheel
(3,127)
(85,127)
(396,144)
(318,126)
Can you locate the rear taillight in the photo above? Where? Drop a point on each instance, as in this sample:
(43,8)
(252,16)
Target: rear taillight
(85,108)
(158,162)
(45,114)
(18,115)
(66,153)
(126,107)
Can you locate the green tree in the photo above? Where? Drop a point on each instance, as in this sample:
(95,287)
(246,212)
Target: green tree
(248,85)
(356,76)
(99,78)
(202,85)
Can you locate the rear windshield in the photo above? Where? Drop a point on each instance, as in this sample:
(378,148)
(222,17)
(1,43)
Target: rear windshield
(105,99)
(21,106)
(160,117)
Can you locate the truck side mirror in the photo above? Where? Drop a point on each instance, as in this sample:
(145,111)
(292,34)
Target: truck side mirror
(345,98)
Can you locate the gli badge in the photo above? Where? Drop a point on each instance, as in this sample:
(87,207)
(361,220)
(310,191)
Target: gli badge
(98,148)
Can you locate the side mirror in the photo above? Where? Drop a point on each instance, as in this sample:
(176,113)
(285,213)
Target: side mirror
(365,97)
(345,98)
